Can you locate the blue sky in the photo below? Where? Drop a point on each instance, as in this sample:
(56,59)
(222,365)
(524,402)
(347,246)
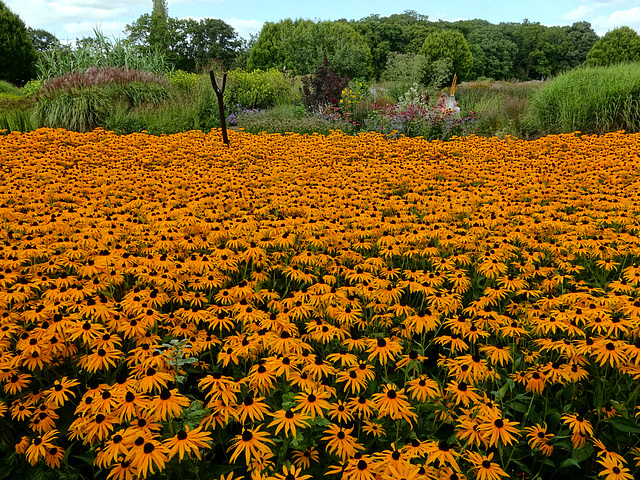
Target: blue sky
(70,19)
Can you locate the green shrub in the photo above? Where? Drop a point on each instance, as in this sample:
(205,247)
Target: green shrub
(182,80)
(256,89)
(405,68)
(590,100)
(32,87)
(164,118)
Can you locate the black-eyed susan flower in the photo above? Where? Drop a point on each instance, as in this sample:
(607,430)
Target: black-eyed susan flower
(253,408)
(394,403)
(252,443)
(462,393)
(168,404)
(288,420)
(485,469)
(291,473)
(613,469)
(340,441)
(313,403)
(362,468)
(187,441)
(577,423)
(150,456)
(539,438)
(61,391)
(442,453)
(303,458)
(499,430)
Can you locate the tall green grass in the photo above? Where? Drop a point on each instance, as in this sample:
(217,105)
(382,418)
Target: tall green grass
(100,52)
(193,109)
(590,100)
(16,113)
(82,101)
(500,107)
(9,88)
(288,119)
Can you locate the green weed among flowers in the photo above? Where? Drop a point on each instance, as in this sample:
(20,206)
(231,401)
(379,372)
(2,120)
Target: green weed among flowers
(300,306)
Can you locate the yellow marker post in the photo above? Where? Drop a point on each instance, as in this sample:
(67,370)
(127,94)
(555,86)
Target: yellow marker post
(451,98)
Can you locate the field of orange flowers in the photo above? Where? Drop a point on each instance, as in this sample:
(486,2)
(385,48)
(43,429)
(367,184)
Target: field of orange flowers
(296,307)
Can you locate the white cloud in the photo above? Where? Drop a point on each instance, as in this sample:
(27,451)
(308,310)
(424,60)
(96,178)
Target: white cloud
(577,14)
(629,18)
(78,18)
(245,27)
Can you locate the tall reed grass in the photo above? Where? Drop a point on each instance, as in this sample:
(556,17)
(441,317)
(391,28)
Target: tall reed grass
(100,52)
(591,100)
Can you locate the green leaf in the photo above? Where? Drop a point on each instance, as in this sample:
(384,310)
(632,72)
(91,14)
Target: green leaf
(569,462)
(519,407)
(583,453)
(322,422)
(624,425)
(501,392)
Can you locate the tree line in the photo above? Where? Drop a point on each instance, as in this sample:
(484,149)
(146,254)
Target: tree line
(374,47)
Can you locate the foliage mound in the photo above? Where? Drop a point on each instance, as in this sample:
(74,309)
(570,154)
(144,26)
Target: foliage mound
(8,88)
(256,89)
(590,99)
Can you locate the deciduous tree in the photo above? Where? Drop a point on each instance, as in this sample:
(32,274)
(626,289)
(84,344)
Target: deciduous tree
(493,53)
(449,44)
(617,46)
(17,54)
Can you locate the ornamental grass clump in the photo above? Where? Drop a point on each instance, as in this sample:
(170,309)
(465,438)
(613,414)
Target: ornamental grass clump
(81,101)
(307,306)
(590,99)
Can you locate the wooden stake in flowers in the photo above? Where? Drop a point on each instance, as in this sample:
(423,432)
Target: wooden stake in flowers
(219,94)
(451,98)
